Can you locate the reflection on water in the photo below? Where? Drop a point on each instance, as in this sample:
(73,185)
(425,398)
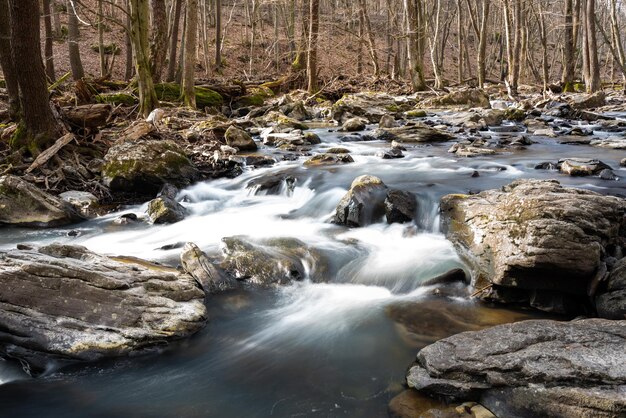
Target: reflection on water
(331,349)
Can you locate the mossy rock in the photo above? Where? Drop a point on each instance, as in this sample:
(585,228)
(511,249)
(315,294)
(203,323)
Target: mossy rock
(205,97)
(109,49)
(515,114)
(143,167)
(121,98)
(416,113)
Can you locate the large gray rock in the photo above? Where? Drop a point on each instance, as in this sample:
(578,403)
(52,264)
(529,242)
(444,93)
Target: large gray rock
(23,204)
(581,166)
(143,167)
(165,210)
(369,105)
(468,98)
(535,238)
(413,133)
(66,303)
(363,204)
(553,368)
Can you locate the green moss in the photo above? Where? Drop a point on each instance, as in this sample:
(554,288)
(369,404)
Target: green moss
(392,108)
(250,100)
(205,97)
(579,87)
(416,113)
(125,99)
(3,83)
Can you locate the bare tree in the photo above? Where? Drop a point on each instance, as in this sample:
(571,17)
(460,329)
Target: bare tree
(311,65)
(139,24)
(72,41)
(189,63)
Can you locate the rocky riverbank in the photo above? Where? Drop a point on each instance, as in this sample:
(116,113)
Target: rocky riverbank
(532,244)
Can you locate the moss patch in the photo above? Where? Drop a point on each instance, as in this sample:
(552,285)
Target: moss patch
(115,99)
(205,97)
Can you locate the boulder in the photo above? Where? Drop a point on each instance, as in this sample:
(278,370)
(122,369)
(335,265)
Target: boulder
(581,166)
(354,125)
(387,121)
(535,368)
(66,303)
(143,167)
(415,133)
(363,204)
(612,142)
(469,150)
(84,202)
(368,105)
(611,303)
(534,241)
(390,154)
(468,98)
(166,210)
(328,159)
(588,101)
(23,204)
(270,262)
(211,278)
(240,139)
(400,206)
(273,184)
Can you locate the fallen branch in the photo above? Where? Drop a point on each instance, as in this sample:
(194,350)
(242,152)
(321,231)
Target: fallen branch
(51,152)
(479,291)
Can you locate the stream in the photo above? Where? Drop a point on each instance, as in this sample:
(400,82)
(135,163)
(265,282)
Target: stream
(338,348)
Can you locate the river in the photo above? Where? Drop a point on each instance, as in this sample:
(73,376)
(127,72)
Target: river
(331,349)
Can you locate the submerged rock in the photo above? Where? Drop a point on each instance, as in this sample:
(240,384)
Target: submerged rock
(23,204)
(535,241)
(271,261)
(400,206)
(66,303)
(143,167)
(363,204)
(531,368)
(211,278)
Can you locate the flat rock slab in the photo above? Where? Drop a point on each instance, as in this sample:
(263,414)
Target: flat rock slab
(549,361)
(66,303)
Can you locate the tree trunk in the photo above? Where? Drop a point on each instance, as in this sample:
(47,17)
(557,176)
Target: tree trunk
(482,44)
(370,37)
(171,65)
(311,65)
(128,71)
(592,82)
(189,62)
(413,50)
(38,127)
(218,35)
(103,69)
(567,77)
(139,18)
(47,18)
(6,60)
(72,41)
(158,40)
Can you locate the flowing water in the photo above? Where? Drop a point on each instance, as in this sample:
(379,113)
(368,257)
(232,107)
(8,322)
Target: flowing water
(339,348)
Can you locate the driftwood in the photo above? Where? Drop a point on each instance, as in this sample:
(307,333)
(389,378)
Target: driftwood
(88,116)
(51,152)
